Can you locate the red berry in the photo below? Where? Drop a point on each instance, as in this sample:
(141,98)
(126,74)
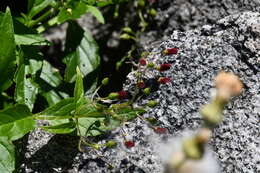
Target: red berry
(171,51)
(164,67)
(160,130)
(141,85)
(142,61)
(122,94)
(164,80)
(129,144)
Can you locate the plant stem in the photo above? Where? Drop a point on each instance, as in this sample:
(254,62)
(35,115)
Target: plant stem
(53,21)
(41,18)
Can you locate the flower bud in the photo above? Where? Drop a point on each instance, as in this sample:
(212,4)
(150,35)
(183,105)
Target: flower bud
(228,85)
(150,65)
(140,84)
(127,29)
(105,81)
(147,91)
(125,36)
(122,94)
(111,144)
(153,12)
(164,67)
(129,144)
(152,103)
(113,96)
(192,149)
(164,80)
(212,113)
(142,61)
(170,51)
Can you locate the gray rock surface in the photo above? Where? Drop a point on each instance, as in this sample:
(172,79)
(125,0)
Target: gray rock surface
(233,44)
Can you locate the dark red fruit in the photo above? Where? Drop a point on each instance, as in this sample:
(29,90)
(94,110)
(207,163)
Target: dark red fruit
(129,144)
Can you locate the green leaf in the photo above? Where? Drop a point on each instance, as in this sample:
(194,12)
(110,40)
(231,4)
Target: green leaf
(53,97)
(61,110)
(82,51)
(72,11)
(38,7)
(64,128)
(126,113)
(79,88)
(26,89)
(85,125)
(30,39)
(95,12)
(90,110)
(16,121)
(7,157)
(7,51)
(50,74)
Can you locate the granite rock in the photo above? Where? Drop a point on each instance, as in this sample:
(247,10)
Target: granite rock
(232,44)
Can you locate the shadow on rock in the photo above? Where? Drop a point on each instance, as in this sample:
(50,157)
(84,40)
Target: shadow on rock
(58,153)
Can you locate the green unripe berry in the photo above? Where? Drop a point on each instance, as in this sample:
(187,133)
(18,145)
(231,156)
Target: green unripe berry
(151,65)
(118,65)
(147,91)
(125,36)
(113,96)
(105,81)
(96,146)
(153,12)
(127,29)
(141,3)
(152,103)
(111,144)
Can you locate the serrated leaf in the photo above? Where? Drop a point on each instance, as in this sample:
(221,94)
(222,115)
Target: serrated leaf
(7,156)
(95,12)
(7,51)
(63,128)
(82,51)
(30,39)
(16,121)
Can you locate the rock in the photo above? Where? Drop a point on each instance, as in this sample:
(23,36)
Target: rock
(202,54)
(232,44)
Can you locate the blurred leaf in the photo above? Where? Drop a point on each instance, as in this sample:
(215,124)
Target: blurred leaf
(7,51)
(126,113)
(73,10)
(7,157)
(16,121)
(30,39)
(64,128)
(82,52)
(38,6)
(95,12)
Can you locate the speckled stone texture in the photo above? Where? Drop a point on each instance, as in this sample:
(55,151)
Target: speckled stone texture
(203,53)
(233,44)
